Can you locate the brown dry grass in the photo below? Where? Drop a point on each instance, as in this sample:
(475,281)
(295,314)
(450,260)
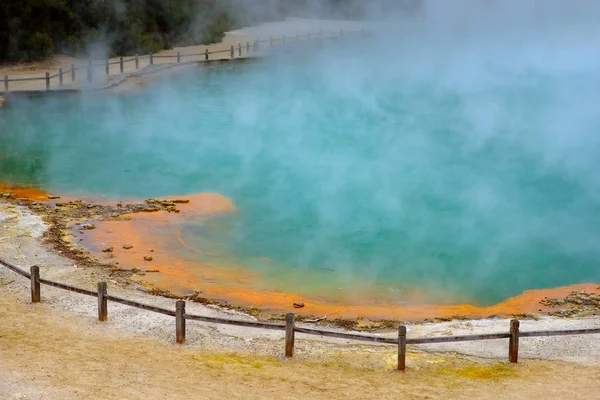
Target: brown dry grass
(48,354)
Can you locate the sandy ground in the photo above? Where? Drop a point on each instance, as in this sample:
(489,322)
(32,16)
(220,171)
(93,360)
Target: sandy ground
(290,28)
(47,354)
(57,349)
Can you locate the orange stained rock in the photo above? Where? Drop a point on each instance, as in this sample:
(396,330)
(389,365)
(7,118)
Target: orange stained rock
(527,302)
(204,204)
(156,234)
(28,193)
(37,194)
(225,281)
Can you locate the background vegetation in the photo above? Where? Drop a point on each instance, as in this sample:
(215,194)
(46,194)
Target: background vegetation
(34,29)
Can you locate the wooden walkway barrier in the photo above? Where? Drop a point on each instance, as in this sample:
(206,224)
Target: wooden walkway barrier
(35,284)
(401,348)
(102,302)
(290,328)
(513,342)
(180,321)
(289,334)
(231,52)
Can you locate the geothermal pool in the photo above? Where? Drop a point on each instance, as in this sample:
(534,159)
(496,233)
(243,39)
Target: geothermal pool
(439,177)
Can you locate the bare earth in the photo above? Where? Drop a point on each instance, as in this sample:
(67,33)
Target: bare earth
(46,354)
(57,349)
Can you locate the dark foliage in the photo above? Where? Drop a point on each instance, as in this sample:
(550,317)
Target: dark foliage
(34,29)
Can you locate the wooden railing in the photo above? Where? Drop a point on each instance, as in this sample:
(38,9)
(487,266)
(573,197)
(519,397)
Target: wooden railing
(181,316)
(239,51)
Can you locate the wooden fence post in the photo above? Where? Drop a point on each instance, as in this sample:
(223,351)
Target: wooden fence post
(239,49)
(178,57)
(72,72)
(89,71)
(137,61)
(247,48)
(6,83)
(102,302)
(206,53)
(180,321)
(60,76)
(35,284)
(107,67)
(47,80)
(151,59)
(256,45)
(289,335)
(232,51)
(121,64)
(513,341)
(402,348)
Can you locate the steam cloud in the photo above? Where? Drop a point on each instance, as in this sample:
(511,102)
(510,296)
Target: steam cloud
(455,150)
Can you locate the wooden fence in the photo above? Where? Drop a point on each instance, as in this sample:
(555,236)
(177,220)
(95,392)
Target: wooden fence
(181,316)
(240,51)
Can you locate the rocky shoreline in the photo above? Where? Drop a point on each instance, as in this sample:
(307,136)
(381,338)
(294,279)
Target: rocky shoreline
(28,237)
(63,216)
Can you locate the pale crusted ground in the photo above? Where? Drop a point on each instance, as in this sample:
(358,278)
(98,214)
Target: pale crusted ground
(50,354)
(57,349)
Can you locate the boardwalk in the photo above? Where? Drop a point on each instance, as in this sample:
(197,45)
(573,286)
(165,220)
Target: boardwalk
(294,29)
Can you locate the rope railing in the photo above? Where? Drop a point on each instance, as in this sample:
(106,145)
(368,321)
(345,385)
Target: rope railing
(15,269)
(290,328)
(234,52)
(142,306)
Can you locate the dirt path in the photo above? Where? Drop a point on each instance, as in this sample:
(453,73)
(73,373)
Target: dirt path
(294,29)
(99,75)
(46,354)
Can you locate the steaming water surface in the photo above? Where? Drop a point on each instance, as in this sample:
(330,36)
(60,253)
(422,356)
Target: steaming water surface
(462,177)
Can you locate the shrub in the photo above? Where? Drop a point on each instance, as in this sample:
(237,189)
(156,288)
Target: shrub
(38,46)
(216,28)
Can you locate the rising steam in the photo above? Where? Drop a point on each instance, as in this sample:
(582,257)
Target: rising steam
(455,150)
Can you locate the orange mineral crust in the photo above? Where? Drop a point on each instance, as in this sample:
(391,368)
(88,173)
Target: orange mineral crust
(527,302)
(26,193)
(37,194)
(153,243)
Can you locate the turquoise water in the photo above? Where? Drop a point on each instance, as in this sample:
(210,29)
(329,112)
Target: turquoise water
(475,177)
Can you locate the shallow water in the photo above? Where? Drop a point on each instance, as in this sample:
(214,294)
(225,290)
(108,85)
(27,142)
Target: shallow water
(465,178)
